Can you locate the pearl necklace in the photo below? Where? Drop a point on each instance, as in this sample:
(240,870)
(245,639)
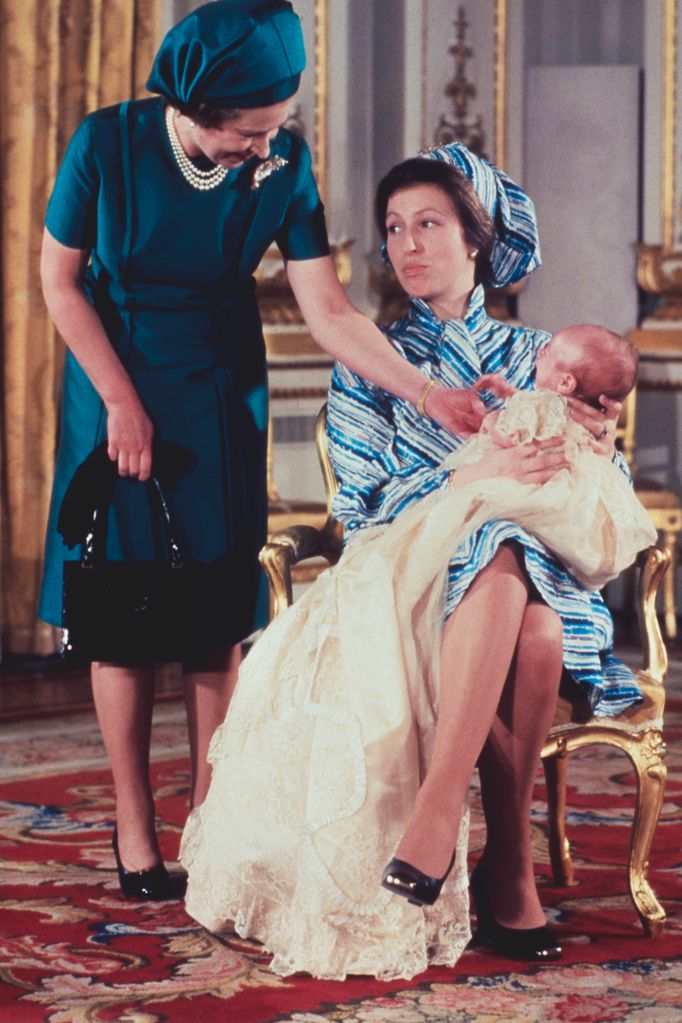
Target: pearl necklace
(203,180)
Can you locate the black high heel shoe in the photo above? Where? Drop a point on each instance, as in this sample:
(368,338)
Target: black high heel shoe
(420,889)
(155,883)
(537,944)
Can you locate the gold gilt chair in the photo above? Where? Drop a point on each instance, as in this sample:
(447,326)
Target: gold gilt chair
(663,507)
(637,732)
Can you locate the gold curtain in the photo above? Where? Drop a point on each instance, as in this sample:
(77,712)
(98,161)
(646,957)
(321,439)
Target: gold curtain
(61,59)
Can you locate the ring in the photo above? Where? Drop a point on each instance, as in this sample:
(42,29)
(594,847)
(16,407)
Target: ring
(603,433)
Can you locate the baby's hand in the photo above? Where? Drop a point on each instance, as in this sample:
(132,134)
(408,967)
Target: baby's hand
(496,384)
(489,428)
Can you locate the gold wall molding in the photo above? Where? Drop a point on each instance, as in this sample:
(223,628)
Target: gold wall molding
(500,82)
(321,92)
(669,159)
(659,272)
(659,267)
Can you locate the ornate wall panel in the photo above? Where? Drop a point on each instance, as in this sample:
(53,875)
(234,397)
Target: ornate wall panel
(458,83)
(660,253)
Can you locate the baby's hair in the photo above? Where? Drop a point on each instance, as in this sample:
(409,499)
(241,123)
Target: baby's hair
(607,362)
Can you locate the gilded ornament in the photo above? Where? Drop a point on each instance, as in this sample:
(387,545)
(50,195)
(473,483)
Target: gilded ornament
(653,747)
(461,125)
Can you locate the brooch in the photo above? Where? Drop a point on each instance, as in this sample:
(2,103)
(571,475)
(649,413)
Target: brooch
(265,169)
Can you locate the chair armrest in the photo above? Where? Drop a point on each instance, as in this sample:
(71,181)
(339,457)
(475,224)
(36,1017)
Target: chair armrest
(653,564)
(291,546)
(302,542)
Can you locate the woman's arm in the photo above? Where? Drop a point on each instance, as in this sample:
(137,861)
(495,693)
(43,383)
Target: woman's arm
(129,429)
(351,338)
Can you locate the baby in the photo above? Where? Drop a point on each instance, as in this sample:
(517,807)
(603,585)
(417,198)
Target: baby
(582,361)
(588,516)
(585,362)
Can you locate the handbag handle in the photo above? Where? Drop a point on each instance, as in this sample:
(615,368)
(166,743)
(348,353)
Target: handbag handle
(95,531)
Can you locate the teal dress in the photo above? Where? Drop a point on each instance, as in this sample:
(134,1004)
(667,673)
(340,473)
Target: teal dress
(170,276)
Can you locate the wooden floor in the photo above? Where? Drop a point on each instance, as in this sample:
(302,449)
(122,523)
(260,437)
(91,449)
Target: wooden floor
(44,685)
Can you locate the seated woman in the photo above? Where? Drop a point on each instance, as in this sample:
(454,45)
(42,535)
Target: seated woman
(361,712)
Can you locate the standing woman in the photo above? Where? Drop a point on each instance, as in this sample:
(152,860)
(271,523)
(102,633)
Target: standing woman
(160,214)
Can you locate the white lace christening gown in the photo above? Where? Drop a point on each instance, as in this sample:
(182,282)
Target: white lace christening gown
(316,768)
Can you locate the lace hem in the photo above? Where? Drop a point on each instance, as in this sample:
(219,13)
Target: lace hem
(308,930)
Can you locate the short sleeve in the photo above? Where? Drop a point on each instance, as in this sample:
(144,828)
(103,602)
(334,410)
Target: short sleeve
(72,210)
(303,234)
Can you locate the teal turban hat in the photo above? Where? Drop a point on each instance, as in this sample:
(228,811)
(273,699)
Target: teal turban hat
(231,53)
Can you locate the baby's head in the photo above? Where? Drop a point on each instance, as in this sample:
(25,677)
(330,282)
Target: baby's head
(587,361)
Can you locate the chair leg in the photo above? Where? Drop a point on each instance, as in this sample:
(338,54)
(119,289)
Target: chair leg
(555,768)
(647,758)
(669,610)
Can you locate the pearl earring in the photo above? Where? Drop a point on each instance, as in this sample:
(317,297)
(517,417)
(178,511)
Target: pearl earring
(473,254)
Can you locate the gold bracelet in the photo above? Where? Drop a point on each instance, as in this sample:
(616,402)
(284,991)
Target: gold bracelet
(421,400)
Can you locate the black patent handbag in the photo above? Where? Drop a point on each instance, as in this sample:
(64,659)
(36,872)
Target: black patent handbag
(133,612)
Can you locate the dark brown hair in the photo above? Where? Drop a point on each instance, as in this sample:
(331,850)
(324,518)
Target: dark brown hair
(476,223)
(206,115)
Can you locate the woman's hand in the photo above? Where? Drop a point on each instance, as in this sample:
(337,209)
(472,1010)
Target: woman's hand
(458,411)
(536,462)
(600,423)
(129,437)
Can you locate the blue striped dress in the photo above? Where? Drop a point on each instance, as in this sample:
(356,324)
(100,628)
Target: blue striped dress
(387,457)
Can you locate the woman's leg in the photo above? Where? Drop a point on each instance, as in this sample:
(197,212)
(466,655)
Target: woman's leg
(509,763)
(124,698)
(477,647)
(208,685)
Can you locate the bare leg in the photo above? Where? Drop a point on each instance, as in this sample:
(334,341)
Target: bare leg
(509,763)
(124,698)
(209,684)
(477,647)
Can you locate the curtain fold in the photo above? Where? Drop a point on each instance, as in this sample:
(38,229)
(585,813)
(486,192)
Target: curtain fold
(62,59)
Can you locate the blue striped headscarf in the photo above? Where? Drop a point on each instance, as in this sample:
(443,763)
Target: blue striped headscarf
(516,246)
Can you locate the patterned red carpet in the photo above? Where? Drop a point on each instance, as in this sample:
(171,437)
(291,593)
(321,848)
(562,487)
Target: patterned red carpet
(73,951)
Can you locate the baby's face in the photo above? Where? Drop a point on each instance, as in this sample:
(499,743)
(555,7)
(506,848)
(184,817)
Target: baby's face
(550,366)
